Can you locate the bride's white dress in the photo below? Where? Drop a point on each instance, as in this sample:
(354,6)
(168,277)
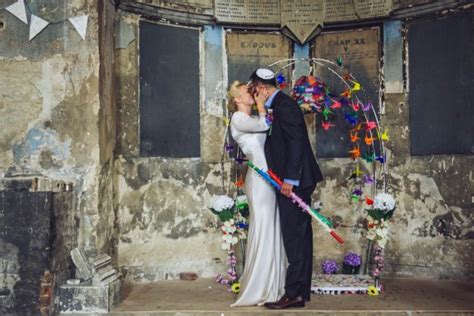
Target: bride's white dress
(263,279)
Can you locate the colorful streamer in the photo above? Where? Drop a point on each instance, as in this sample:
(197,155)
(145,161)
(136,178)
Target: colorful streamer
(273,179)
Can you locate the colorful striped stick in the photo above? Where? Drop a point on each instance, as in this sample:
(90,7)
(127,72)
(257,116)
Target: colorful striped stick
(273,179)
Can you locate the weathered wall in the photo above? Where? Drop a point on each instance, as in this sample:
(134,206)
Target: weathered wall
(165,227)
(53,114)
(431,234)
(38,232)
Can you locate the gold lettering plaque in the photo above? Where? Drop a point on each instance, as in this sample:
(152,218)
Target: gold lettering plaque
(248,11)
(302,17)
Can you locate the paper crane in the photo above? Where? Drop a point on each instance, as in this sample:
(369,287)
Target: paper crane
(354,136)
(356,86)
(369,158)
(326,113)
(369,201)
(356,172)
(346,94)
(370,125)
(384,136)
(368,140)
(368,179)
(327,125)
(355,152)
(336,105)
(366,107)
(356,106)
(357,128)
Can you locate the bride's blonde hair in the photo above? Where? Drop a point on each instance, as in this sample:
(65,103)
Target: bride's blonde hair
(232,93)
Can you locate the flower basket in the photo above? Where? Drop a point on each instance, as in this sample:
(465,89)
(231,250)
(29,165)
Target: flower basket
(348,269)
(351,264)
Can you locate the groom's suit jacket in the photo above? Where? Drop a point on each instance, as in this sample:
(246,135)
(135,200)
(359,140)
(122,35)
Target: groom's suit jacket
(287,148)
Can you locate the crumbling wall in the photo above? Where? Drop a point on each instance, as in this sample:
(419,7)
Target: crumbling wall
(57,115)
(164,225)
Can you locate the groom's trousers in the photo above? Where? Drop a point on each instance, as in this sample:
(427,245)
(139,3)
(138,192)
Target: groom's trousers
(298,240)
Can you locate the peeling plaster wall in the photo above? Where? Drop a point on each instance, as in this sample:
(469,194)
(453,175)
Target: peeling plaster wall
(51,109)
(432,233)
(163,221)
(165,228)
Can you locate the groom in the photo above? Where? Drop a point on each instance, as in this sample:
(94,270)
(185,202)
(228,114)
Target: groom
(289,155)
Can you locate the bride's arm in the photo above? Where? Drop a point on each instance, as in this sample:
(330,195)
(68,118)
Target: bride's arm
(249,124)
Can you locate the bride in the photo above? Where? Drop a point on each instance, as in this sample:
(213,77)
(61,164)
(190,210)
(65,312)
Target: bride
(263,279)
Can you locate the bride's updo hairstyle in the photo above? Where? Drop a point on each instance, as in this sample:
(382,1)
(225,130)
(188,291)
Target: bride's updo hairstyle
(232,93)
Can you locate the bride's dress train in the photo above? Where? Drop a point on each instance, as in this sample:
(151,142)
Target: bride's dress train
(263,279)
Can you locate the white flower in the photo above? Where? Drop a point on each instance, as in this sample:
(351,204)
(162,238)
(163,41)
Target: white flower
(382,232)
(228,227)
(381,242)
(384,201)
(371,234)
(222,202)
(232,240)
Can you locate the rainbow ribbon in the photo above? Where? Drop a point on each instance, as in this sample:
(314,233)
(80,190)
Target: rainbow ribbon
(276,182)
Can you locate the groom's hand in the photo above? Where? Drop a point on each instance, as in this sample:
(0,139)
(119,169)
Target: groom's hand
(286,189)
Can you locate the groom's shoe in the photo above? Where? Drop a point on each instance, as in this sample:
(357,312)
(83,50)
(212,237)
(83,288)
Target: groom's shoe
(286,302)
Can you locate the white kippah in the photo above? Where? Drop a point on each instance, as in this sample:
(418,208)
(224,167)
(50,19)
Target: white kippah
(265,73)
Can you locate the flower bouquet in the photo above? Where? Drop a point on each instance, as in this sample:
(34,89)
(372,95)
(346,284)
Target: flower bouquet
(378,216)
(351,263)
(223,207)
(383,207)
(233,215)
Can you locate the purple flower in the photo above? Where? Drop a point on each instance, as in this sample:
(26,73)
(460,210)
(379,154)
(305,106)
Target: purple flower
(229,147)
(329,266)
(352,259)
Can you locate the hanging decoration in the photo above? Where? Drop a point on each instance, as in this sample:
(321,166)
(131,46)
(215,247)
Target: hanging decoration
(37,24)
(233,215)
(18,9)
(347,101)
(80,24)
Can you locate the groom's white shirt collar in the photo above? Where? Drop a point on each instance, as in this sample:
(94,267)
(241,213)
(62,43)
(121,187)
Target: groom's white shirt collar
(269,101)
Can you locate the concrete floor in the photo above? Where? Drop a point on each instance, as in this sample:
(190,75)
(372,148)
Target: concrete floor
(205,297)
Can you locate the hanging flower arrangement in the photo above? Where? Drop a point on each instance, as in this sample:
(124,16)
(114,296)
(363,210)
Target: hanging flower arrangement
(378,215)
(233,215)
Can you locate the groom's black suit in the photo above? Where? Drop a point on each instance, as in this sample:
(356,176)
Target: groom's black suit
(289,155)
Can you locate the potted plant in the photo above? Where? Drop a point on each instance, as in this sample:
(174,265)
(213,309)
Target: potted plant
(329,267)
(351,264)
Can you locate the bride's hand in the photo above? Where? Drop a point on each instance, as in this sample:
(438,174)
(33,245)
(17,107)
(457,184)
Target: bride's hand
(260,99)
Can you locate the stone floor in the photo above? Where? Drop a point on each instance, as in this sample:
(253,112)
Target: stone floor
(204,297)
